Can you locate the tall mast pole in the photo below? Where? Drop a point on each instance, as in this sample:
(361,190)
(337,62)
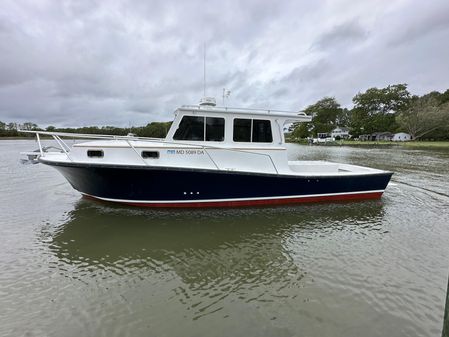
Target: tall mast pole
(204,63)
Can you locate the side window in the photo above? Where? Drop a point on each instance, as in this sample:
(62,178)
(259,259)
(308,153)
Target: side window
(190,128)
(215,129)
(242,130)
(262,131)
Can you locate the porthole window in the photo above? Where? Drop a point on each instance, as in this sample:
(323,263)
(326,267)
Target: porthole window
(150,154)
(95,153)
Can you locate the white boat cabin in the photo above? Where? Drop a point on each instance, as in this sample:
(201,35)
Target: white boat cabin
(249,128)
(204,137)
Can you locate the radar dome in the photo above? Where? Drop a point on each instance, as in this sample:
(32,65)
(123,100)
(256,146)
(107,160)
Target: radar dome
(208,101)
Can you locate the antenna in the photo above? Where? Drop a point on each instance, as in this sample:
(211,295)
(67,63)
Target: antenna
(208,101)
(226,94)
(204,81)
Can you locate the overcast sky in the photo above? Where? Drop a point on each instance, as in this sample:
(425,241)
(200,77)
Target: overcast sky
(77,63)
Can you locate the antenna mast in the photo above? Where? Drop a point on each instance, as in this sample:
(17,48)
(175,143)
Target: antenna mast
(207,101)
(204,81)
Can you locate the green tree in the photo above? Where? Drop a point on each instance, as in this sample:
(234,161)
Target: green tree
(425,114)
(444,97)
(2,126)
(325,114)
(393,98)
(112,130)
(302,130)
(29,126)
(375,109)
(344,117)
(155,130)
(11,126)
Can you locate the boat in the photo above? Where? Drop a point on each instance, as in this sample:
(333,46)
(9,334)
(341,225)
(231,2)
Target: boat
(211,157)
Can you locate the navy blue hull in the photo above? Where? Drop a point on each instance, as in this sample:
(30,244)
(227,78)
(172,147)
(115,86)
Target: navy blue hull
(133,184)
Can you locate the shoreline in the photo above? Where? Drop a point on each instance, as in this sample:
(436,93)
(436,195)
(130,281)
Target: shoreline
(411,144)
(383,144)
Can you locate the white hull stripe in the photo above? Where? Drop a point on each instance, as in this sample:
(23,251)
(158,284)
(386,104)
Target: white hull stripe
(230,199)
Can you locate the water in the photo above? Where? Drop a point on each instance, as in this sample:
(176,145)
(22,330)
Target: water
(75,267)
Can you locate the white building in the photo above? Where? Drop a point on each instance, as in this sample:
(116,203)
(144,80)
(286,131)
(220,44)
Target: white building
(401,137)
(341,132)
(323,138)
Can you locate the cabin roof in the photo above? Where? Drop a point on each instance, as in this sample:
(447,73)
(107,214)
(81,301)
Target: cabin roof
(287,115)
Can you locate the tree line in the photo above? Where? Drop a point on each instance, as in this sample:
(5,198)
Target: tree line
(390,109)
(154,129)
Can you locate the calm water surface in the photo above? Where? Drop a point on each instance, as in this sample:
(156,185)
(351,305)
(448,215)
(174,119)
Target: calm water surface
(74,267)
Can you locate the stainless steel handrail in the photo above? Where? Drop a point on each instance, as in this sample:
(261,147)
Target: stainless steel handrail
(39,143)
(144,139)
(66,151)
(146,164)
(63,143)
(224,108)
(84,135)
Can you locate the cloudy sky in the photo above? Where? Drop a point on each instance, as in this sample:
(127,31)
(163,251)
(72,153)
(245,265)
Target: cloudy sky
(77,63)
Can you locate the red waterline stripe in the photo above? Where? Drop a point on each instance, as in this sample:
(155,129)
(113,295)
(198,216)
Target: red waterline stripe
(240,203)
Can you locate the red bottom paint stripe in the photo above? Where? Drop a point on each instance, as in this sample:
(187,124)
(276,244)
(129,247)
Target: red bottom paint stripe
(239,203)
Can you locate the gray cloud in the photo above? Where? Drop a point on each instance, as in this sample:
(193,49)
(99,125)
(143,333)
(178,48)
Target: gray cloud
(342,35)
(73,63)
(310,72)
(431,20)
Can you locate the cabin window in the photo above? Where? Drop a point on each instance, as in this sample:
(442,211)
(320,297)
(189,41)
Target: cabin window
(252,130)
(150,154)
(196,128)
(95,153)
(190,128)
(262,131)
(242,130)
(215,129)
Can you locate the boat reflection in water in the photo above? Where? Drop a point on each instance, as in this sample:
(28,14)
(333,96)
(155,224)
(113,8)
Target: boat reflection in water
(246,254)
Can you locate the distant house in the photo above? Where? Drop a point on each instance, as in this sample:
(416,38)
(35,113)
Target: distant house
(401,137)
(365,137)
(384,136)
(377,136)
(341,132)
(322,138)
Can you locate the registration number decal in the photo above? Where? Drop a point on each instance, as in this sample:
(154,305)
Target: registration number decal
(186,152)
